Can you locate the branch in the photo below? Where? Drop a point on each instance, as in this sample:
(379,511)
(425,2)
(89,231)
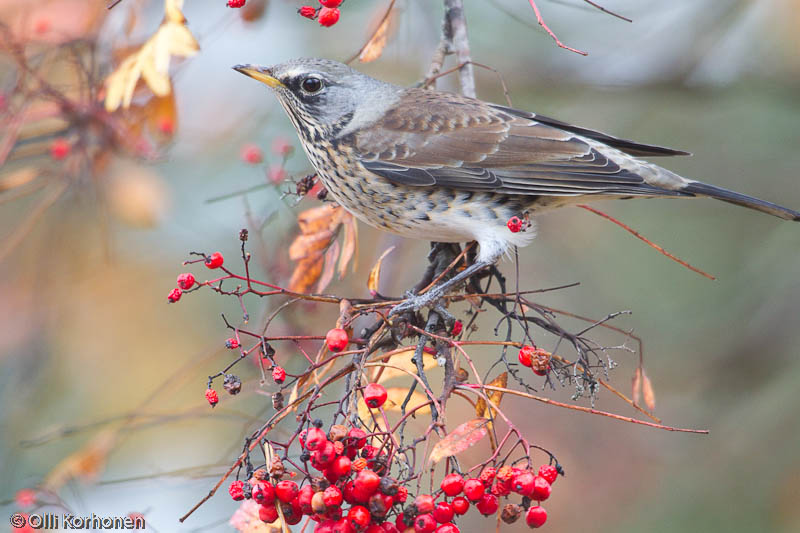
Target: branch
(542,23)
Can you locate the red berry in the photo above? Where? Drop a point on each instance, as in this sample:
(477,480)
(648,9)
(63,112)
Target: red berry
(526,355)
(375,395)
(541,489)
(186,281)
(474,489)
(211,396)
(458,327)
(380,504)
(236,490)
(268,513)
(447,528)
(304,499)
(60,148)
(443,512)
(536,516)
(523,483)
(452,484)
(307,12)
(359,516)
(487,475)
(331,3)
(337,339)
(358,437)
(214,260)
(276,174)
(488,504)
(286,490)
(332,496)
(340,466)
(424,504)
(231,343)
(236,3)
(424,523)
(400,522)
(343,525)
(460,505)
(174,295)
(281,146)
(549,472)
(325,454)
(25,497)
(388,527)
(263,493)
(514,224)
(328,16)
(315,438)
(367,482)
(402,494)
(278,374)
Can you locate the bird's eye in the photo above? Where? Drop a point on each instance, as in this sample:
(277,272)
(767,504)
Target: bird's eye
(311,85)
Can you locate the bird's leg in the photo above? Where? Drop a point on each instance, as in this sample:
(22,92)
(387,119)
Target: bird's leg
(416,302)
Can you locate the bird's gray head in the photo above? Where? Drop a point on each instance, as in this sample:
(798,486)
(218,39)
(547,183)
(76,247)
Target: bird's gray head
(324,97)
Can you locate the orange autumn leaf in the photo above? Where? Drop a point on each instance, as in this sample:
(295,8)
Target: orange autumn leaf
(316,249)
(374,279)
(636,386)
(380,37)
(463,437)
(648,392)
(86,463)
(495,397)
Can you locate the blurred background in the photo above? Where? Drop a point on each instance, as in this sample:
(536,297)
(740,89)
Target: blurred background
(88,344)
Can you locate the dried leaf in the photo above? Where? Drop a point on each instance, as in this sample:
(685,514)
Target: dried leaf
(495,396)
(636,386)
(374,279)
(305,274)
(319,227)
(404,361)
(648,392)
(151,61)
(86,463)
(18,178)
(395,396)
(350,245)
(463,437)
(330,266)
(374,47)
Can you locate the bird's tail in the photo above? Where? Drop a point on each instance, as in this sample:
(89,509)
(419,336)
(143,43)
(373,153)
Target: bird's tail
(725,195)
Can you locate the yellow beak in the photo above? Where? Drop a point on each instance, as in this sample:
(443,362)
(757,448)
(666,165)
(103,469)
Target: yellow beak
(261,74)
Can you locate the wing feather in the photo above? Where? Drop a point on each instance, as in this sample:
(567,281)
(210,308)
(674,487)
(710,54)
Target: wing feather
(440,139)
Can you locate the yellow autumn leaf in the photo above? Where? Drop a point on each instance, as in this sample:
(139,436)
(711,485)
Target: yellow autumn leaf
(403,361)
(395,396)
(151,61)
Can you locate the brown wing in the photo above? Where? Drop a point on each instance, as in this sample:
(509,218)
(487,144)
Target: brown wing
(432,138)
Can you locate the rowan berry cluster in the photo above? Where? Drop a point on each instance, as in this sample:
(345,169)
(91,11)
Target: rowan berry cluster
(355,492)
(327,14)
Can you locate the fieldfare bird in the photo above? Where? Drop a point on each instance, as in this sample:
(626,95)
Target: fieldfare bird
(442,167)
